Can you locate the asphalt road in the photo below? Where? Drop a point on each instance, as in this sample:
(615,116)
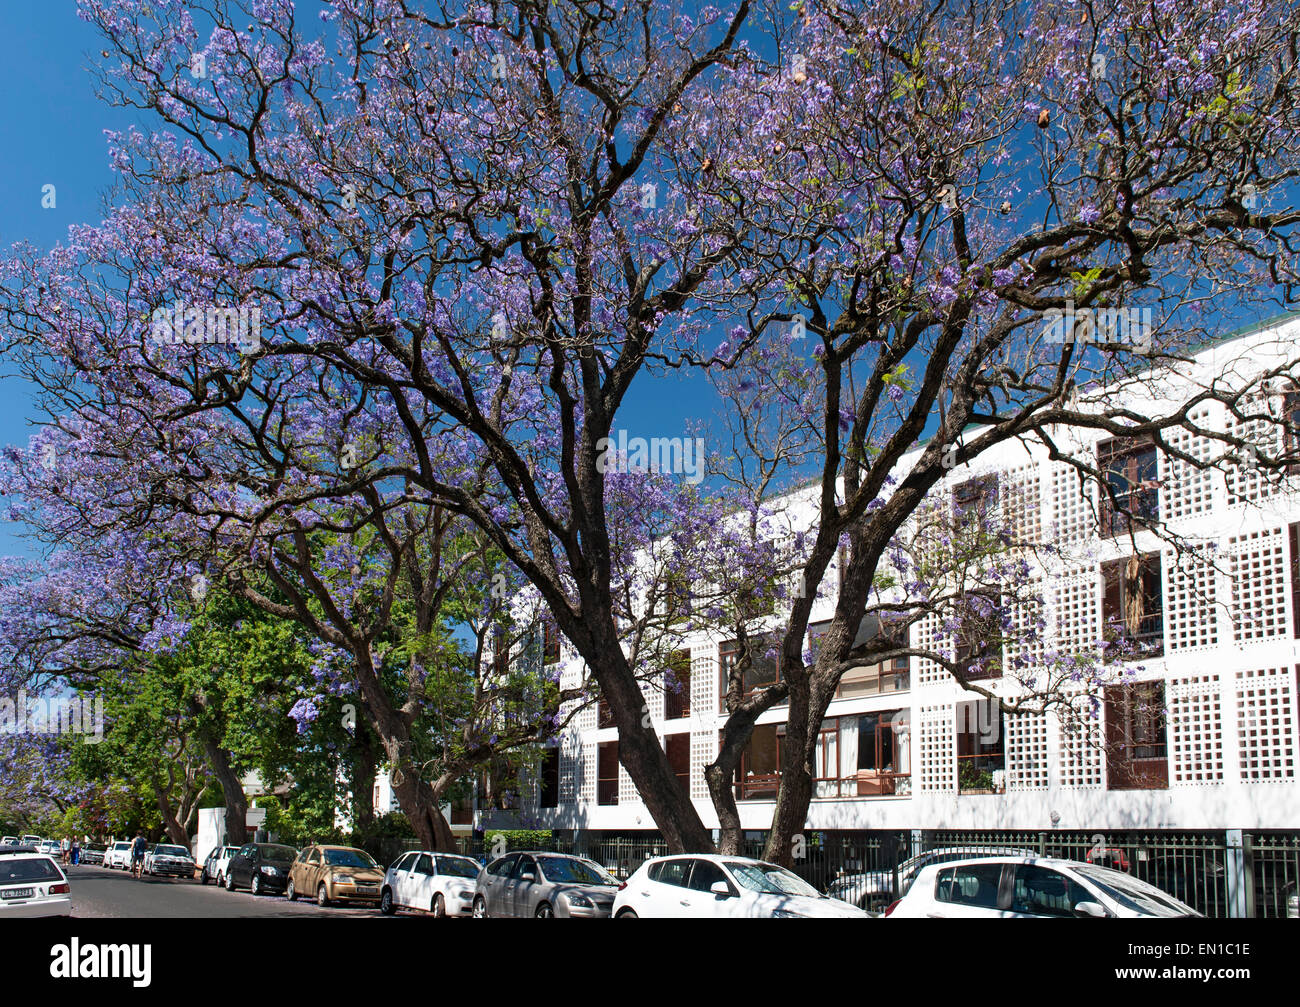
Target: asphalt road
(97,892)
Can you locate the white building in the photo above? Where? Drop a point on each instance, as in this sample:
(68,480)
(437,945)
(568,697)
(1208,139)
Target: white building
(1205,739)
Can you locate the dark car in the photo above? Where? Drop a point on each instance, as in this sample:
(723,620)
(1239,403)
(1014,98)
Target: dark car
(262,868)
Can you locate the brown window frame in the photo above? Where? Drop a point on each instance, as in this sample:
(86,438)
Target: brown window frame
(550,642)
(678,749)
(1135,714)
(1115,588)
(677,697)
(755,788)
(606,783)
(983,756)
(979,637)
(1129,450)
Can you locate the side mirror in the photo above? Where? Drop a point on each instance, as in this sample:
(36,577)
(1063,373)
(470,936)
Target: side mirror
(528,876)
(1090,909)
(721,888)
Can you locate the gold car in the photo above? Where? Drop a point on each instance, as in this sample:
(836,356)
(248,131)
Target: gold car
(335,874)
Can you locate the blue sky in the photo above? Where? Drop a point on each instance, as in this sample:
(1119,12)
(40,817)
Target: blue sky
(54,126)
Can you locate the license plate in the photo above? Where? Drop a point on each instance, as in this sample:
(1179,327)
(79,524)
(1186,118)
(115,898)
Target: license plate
(367,890)
(18,893)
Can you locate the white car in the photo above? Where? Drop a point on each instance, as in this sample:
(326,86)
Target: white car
(217,864)
(1031,888)
(711,886)
(32,884)
(874,890)
(170,860)
(118,855)
(437,883)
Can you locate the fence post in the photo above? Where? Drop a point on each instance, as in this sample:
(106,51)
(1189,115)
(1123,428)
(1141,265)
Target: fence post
(1042,844)
(918,842)
(1241,895)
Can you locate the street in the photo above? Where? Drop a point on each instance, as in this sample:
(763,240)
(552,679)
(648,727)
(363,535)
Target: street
(100,893)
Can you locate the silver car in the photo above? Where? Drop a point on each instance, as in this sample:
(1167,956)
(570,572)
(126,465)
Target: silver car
(544,885)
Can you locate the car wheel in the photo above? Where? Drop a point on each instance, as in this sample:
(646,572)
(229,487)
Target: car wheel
(203,877)
(626,914)
(291,891)
(230,882)
(480,908)
(544,911)
(322,896)
(386,902)
(439,907)
(256,885)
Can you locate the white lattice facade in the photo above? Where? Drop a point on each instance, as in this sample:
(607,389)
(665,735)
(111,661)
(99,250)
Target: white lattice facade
(1221,665)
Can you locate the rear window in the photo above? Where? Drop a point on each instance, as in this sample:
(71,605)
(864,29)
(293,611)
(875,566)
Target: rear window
(15,870)
(972,885)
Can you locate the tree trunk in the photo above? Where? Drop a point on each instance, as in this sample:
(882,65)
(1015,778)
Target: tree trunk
(232,790)
(175,830)
(794,793)
(642,755)
(363,765)
(420,805)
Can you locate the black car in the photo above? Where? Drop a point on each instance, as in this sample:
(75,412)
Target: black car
(262,868)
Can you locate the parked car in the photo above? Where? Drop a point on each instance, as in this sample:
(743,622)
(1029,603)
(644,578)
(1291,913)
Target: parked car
(1032,887)
(718,887)
(874,890)
(32,884)
(10,841)
(439,883)
(50,848)
(169,860)
(218,862)
(335,874)
(93,853)
(31,841)
(544,885)
(262,868)
(119,855)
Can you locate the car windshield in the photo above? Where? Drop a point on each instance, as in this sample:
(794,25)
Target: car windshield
(349,858)
(278,852)
(121,846)
(458,867)
(1134,894)
(581,872)
(170,851)
(770,879)
(15,870)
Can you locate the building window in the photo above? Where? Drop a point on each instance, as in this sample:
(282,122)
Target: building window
(500,648)
(883,765)
(462,810)
(1133,601)
(677,686)
(760,673)
(548,795)
(978,644)
(981,747)
(1130,496)
(607,773)
(891,675)
(678,749)
(550,642)
(1294,532)
(974,498)
(1137,753)
(759,772)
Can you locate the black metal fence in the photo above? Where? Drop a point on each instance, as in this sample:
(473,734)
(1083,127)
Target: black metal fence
(1221,874)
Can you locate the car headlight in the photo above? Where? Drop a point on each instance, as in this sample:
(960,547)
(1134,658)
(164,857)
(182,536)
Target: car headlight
(272,871)
(581,901)
(785,914)
(344,879)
